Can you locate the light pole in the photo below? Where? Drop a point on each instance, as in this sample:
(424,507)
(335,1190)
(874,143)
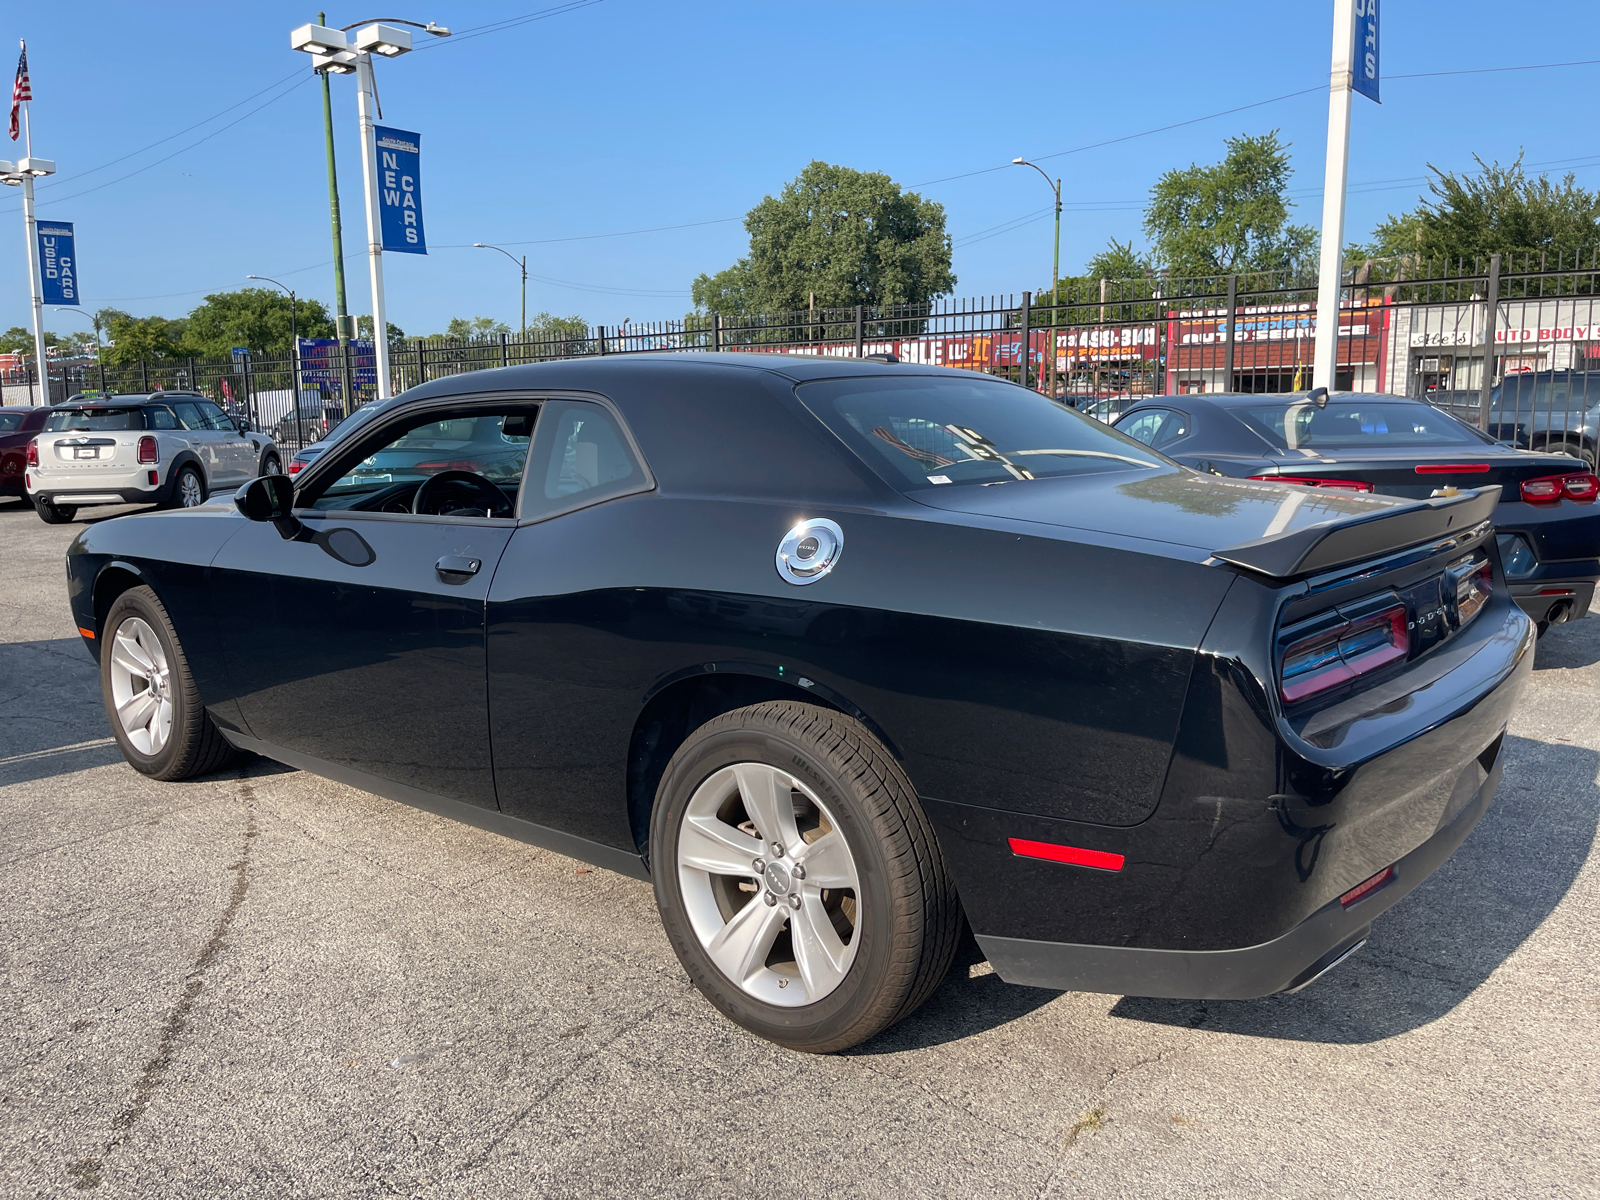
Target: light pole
(522,263)
(1055,272)
(294,343)
(332,50)
(342,324)
(21,174)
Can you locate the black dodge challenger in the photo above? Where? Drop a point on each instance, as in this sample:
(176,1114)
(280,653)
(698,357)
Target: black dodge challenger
(840,654)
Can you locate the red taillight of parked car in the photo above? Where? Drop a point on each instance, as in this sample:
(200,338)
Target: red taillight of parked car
(295,466)
(454,465)
(147,450)
(1581,486)
(33,452)
(1453,469)
(1349,485)
(1344,651)
(1366,887)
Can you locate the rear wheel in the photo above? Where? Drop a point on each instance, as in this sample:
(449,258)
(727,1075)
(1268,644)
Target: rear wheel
(798,878)
(188,489)
(54,514)
(271,465)
(150,697)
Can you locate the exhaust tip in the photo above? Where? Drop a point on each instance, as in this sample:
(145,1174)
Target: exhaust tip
(1559,612)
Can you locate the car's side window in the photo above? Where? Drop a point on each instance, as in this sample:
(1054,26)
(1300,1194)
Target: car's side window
(189,414)
(454,464)
(1145,426)
(214,417)
(580,456)
(1174,427)
(160,417)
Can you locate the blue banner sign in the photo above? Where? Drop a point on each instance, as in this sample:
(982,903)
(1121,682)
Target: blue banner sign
(58,263)
(400,190)
(1364,60)
(321,367)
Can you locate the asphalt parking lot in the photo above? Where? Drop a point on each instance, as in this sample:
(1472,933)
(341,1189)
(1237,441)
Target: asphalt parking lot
(266,984)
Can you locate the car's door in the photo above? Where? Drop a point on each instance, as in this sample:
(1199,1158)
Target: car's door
(203,440)
(360,641)
(235,453)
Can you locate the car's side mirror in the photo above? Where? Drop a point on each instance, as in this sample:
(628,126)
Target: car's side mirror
(269,498)
(242,424)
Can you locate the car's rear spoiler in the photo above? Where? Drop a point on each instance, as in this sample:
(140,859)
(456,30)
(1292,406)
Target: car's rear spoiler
(1335,543)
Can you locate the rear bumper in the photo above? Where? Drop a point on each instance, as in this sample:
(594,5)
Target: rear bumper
(1283,964)
(1566,599)
(121,487)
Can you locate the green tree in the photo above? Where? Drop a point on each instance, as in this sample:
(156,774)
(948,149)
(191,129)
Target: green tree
(364,329)
(463,328)
(136,338)
(1233,216)
(19,340)
(255,317)
(1498,210)
(843,236)
(543,326)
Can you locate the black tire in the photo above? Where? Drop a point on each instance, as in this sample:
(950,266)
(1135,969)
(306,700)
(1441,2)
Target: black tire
(54,514)
(908,917)
(176,491)
(194,746)
(271,464)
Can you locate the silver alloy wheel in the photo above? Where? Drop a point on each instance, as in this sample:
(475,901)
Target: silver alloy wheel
(190,494)
(769,884)
(141,686)
(271,466)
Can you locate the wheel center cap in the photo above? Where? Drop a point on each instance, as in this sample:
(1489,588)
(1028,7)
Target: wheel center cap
(778,881)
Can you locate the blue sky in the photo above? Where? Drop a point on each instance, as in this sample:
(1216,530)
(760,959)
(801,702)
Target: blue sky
(627,115)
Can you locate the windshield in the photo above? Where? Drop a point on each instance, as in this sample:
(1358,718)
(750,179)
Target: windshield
(94,420)
(1353,425)
(922,431)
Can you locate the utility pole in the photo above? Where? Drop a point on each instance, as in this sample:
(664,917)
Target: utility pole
(1335,175)
(342,325)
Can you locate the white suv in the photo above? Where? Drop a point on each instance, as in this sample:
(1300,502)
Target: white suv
(167,448)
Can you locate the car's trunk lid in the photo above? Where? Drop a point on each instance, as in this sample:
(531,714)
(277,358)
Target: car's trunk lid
(1416,473)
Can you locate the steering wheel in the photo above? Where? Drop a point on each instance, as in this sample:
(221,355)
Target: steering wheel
(494,500)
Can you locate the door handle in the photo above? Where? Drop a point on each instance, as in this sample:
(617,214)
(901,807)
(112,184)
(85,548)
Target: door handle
(452,567)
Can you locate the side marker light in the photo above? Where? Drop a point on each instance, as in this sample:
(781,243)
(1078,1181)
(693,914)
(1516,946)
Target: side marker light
(88,633)
(1100,860)
(1362,890)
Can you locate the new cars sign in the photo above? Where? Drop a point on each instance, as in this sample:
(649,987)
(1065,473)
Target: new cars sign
(400,190)
(1364,56)
(58,264)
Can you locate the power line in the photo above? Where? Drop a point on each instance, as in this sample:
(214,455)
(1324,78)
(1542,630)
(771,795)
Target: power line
(589,237)
(476,31)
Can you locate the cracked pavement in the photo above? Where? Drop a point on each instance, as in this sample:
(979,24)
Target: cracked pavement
(262,983)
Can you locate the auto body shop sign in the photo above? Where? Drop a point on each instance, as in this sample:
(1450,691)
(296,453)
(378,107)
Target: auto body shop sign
(58,263)
(400,190)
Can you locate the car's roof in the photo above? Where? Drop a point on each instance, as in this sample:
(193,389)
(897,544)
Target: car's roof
(1260,399)
(129,400)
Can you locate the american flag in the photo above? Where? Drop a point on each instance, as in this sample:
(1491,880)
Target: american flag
(21,90)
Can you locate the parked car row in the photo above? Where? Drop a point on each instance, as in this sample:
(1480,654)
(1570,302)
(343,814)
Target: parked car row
(845,656)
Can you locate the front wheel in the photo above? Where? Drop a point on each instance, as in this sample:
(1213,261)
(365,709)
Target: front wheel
(150,696)
(800,882)
(54,514)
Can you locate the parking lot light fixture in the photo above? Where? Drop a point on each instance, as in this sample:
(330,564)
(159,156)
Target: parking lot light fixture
(339,52)
(294,344)
(522,264)
(21,174)
(1055,266)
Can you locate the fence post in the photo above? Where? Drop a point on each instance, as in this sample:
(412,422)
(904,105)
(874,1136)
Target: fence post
(144,376)
(600,340)
(102,375)
(1227,353)
(505,352)
(716,332)
(194,384)
(1490,317)
(861,332)
(1026,319)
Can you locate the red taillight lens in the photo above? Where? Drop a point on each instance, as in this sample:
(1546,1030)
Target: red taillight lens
(1453,469)
(1581,487)
(1078,856)
(147,450)
(295,465)
(1349,485)
(1364,889)
(33,452)
(1347,650)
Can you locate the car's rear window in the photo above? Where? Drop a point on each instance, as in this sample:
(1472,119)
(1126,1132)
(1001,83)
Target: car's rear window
(927,431)
(10,421)
(1351,425)
(94,419)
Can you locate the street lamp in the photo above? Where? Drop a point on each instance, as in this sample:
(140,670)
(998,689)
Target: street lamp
(338,52)
(21,174)
(522,263)
(1055,270)
(294,342)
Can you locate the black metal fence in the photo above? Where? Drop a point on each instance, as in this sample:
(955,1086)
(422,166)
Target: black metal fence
(1405,326)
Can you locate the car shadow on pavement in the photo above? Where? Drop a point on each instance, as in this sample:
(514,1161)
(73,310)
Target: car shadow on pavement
(1432,950)
(1575,644)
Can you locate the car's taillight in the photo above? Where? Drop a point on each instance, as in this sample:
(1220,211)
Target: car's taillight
(147,450)
(294,466)
(453,465)
(1453,469)
(1473,580)
(1350,485)
(33,452)
(1343,650)
(1582,486)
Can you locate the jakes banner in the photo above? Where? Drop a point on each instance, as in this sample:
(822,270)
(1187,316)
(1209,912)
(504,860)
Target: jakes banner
(400,190)
(58,264)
